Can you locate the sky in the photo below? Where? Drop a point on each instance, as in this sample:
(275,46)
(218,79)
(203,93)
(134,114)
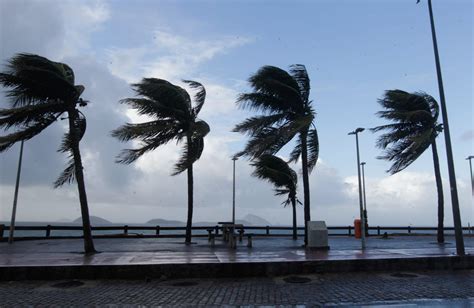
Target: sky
(353,51)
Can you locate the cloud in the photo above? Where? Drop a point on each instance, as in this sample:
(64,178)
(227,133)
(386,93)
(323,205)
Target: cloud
(51,28)
(467,135)
(169,56)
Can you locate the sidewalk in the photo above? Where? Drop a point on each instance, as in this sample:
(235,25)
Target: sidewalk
(138,257)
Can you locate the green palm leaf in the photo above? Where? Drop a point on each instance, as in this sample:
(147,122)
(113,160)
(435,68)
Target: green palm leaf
(414,127)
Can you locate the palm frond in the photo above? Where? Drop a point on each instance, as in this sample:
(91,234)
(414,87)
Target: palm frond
(31,79)
(67,176)
(299,73)
(166,96)
(26,115)
(262,102)
(414,127)
(199,97)
(277,82)
(313,149)
(26,132)
(191,153)
(147,130)
(254,125)
(296,152)
(277,172)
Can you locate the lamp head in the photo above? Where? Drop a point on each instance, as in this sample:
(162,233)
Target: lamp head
(470,157)
(358,130)
(362,163)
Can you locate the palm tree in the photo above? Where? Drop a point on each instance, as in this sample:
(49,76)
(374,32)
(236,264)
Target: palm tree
(415,128)
(282,98)
(41,91)
(174,118)
(276,171)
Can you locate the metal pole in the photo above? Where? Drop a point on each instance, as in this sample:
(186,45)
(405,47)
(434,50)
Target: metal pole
(472,188)
(449,151)
(365,200)
(15,198)
(232,242)
(361,209)
(472,176)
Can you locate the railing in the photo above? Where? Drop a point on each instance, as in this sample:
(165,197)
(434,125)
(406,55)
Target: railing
(159,231)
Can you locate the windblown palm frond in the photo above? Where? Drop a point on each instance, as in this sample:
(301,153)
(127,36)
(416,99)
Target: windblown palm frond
(33,79)
(414,127)
(175,119)
(40,91)
(68,174)
(277,172)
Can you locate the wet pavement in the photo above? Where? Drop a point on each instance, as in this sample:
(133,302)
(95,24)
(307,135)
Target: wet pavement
(136,251)
(393,289)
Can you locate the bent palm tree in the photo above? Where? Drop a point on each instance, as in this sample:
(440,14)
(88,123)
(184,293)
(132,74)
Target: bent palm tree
(276,171)
(283,100)
(415,128)
(41,91)
(174,119)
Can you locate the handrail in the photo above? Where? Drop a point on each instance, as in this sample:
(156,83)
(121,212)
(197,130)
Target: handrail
(124,229)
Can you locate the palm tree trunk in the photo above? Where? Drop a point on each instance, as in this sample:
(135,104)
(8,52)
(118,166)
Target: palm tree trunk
(86,224)
(190,199)
(449,151)
(304,162)
(295,230)
(439,187)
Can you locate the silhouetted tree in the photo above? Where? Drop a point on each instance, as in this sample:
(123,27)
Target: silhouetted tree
(40,91)
(282,98)
(174,118)
(414,129)
(276,171)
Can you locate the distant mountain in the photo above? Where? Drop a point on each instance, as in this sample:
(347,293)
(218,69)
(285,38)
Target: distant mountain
(95,220)
(165,222)
(248,220)
(63,220)
(255,220)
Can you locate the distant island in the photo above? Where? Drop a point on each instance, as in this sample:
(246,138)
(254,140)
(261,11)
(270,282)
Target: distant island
(95,220)
(248,220)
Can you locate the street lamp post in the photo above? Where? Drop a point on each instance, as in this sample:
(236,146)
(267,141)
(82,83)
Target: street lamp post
(232,242)
(472,176)
(15,197)
(365,200)
(449,151)
(362,220)
(472,186)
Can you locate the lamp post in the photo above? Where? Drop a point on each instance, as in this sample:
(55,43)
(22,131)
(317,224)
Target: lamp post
(449,151)
(472,176)
(15,198)
(232,242)
(365,200)
(362,220)
(472,182)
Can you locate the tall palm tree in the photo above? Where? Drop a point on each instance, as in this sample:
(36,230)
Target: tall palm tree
(276,171)
(282,98)
(174,118)
(40,91)
(414,129)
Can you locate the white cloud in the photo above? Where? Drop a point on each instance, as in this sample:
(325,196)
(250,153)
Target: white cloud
(169,56)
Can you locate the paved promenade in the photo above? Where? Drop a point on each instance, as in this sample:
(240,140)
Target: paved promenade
(427,289)
(161,271)
(136,251)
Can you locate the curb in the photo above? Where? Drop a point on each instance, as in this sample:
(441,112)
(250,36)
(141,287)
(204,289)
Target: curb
(221,270)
